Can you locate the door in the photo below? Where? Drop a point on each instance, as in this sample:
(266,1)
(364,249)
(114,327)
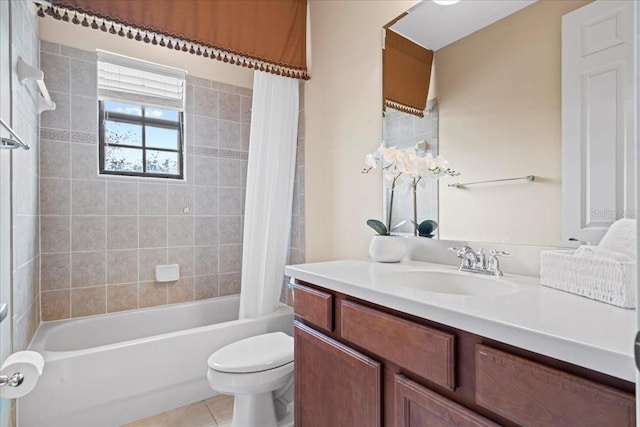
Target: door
(335,385)
(598,130)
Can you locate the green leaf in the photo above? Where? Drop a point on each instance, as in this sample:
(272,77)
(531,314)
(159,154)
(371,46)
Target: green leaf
(426,228)
(378,226)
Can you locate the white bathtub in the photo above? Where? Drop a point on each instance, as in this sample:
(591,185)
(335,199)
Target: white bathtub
(112,369)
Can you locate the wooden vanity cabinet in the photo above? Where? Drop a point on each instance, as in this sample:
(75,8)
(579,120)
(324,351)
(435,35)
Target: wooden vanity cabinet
(361,365)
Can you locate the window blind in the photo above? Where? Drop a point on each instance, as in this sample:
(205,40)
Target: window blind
(128,79)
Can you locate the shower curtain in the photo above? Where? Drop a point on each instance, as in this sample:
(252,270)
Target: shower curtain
(270,175)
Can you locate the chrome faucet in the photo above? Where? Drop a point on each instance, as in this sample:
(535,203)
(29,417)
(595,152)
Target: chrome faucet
(477,262)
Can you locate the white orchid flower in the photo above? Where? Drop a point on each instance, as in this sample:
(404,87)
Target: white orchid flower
(370,161)
(390,155)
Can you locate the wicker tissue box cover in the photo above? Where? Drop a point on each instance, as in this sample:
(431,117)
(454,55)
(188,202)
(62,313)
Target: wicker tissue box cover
(609,281)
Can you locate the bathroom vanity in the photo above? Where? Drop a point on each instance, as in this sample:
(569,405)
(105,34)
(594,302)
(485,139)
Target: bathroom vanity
(374,348)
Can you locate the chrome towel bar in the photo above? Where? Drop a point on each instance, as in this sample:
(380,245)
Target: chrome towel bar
(12,143)
(458,184)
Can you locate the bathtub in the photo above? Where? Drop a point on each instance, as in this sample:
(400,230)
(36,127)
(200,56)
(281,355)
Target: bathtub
(112,369)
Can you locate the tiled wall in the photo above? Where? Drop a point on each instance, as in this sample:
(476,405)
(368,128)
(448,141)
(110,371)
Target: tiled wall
(19,217)
(103,236)
(26,227)
(405,131)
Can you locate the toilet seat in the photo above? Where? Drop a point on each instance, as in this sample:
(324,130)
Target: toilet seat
(254,354)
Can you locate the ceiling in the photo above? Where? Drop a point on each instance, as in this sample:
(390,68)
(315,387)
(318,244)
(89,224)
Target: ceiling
(435,26)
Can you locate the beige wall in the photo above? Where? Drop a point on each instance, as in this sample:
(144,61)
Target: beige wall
(500,117)
(343,124)
(89,39)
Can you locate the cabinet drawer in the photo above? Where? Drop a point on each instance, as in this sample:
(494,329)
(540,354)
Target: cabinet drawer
(314,306)
(425,351)
(532,394)
(417,406)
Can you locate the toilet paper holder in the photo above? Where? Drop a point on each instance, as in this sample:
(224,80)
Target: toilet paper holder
(13,381)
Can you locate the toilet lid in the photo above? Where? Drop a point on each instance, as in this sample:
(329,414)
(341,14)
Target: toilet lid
(254,354)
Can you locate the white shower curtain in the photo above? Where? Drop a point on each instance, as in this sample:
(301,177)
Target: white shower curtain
(270,175)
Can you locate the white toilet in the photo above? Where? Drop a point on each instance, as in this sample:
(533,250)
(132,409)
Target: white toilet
(258,371)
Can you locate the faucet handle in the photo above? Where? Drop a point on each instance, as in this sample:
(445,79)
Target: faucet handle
(500,253)
(454,249)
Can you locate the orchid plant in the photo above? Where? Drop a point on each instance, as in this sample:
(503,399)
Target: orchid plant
(408,168)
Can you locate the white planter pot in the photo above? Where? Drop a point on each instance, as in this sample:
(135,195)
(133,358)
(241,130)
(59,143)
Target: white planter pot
(387,248)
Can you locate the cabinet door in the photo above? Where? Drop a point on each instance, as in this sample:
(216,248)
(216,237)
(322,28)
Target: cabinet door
(417,406)
(334,385)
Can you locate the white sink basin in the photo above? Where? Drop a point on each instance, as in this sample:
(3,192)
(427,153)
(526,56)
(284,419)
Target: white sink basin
(452,283)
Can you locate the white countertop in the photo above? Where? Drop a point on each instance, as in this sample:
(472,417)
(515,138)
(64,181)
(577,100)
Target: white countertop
(554,323)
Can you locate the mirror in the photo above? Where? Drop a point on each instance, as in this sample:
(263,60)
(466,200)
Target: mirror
(495,113)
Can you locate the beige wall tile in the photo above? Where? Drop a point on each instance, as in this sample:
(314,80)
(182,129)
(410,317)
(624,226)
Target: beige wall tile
(153,199)
(205,170)
(206,230)
(55,233)
(229,135)
(205,102)
(55,155)
(88,301)
(206,260)
(56,271)
(122,232)
(230,172)
(55,196)
(88,269)
(88,233)
(231,201)
(153,231)
(122,198)
(180,230)
(152,294)
(122,266)
(181,291)
(84,161)
(229,106)
(229,283)
(87,197)
(230,259)
(206,286)
(230,229)
(206,200)
(56,305)
(122,297)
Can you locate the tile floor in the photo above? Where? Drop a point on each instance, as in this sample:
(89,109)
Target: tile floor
(213,412)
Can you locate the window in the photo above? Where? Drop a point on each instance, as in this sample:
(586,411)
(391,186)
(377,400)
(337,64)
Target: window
(141,118)
(141,141)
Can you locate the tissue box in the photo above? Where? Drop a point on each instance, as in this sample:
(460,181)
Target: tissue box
(613,282)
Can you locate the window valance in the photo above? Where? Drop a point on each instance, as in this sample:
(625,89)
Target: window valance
(406,74)
(266,35)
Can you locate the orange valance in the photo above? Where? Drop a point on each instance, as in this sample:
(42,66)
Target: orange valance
(406,74)
(266,35)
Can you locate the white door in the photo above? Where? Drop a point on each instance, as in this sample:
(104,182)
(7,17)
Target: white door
(598,126)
